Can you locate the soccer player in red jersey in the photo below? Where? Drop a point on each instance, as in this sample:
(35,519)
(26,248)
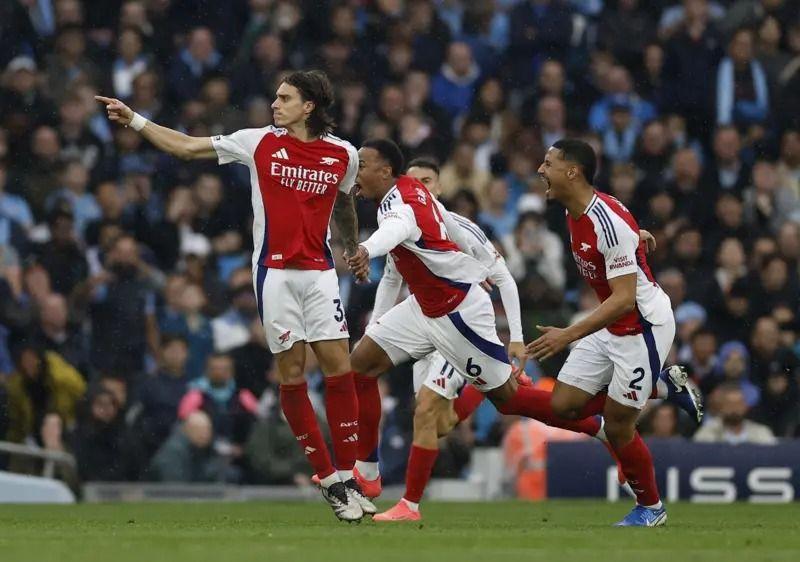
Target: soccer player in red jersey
(448,311)
(301,176)
(623,343)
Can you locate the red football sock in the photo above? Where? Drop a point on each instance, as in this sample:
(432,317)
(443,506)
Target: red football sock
(467,402)
(341,407)
(300,415)
(534,403)
(637,465)
(418,472)
(595,405)
(369,415)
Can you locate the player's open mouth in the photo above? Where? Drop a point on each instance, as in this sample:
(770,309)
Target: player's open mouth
(546,183)
(356,189)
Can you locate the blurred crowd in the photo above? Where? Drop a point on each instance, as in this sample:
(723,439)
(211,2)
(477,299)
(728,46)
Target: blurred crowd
(129,333)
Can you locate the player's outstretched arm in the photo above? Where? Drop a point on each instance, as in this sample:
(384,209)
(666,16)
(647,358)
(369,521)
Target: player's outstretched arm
(346,221)
(166,139)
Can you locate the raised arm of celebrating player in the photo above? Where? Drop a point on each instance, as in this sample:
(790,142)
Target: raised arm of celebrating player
(166,139)
(397,226)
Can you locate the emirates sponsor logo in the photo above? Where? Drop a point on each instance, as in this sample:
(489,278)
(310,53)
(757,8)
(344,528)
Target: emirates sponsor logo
(304,179)
(587,269)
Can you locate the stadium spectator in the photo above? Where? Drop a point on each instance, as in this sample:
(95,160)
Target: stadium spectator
(57,334)
(661,422)
(188,455)
(252,360)
(731,425)
(160,395)
(231,409)
(103,448)
(122,311)
(42,383)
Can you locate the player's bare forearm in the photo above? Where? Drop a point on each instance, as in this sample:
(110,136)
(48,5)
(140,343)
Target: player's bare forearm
(607,313)
(554,340)
(178,144)
(344,216)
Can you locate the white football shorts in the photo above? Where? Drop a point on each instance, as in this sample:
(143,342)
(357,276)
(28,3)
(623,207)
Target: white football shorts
(466,338)
(627,365)
(299,305)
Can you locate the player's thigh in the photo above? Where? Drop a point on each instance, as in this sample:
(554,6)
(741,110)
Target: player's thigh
(368,358)
(323,311)
(587,368)
(402,333)
(333,356)
(467,339)
(280,308)
(438,375)
(430,405)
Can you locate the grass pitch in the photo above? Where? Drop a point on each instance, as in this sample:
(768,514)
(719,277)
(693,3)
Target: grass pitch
(306,532)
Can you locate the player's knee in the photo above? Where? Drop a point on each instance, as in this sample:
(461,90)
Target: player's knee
(563,407)
(291,375)
(446,420)
(426,415)
(619,432)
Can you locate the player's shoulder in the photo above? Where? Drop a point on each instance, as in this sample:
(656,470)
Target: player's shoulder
(338,144)
(413,192)
(269,130)
(613,222)
(391,203)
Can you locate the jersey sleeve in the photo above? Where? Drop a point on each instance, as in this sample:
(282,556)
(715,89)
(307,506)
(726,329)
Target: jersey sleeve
(509,294)
(618,244)
(469,238)
(239,146)
(388,290)
(396,226)
(346,185)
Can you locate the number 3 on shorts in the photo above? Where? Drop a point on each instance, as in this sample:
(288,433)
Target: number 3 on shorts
(635,382)
(339,314)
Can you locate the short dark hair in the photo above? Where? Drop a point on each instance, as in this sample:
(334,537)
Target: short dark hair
(580,153)
(170,338)
(389,151)
(315,86)
(424,162)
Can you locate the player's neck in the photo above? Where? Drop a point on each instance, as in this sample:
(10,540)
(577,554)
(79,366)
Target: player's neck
(577,201)
(300,132)
(384,189)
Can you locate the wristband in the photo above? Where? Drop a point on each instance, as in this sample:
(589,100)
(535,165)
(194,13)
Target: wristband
(138,122)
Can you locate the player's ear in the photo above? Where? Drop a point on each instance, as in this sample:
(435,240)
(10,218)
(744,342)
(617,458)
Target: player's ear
(571,173)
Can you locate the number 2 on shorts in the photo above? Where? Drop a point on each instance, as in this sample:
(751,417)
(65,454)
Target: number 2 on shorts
(635,382)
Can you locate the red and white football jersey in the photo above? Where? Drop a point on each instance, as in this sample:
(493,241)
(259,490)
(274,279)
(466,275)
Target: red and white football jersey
(438,274)
(294,187)
(605,244)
